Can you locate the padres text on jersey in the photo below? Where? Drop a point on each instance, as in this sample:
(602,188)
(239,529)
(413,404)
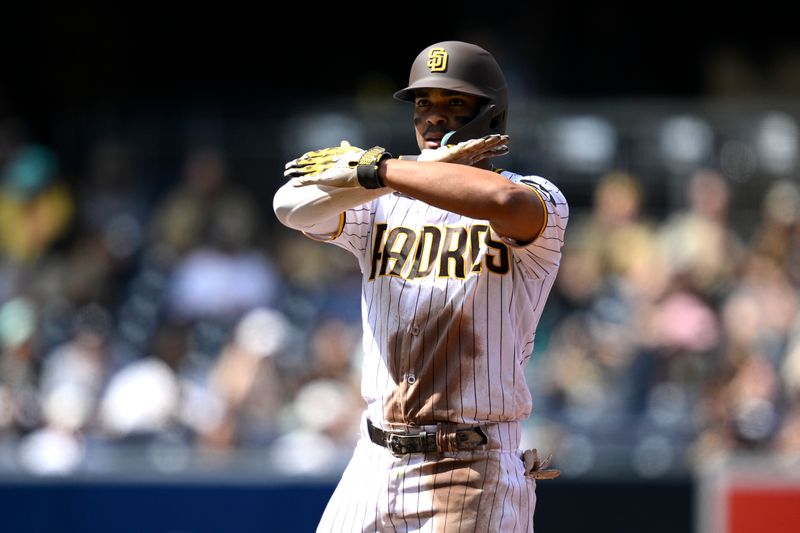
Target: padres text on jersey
(449,308)
(449,252)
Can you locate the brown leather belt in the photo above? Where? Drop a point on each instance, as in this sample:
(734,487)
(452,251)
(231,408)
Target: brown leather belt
(400,443)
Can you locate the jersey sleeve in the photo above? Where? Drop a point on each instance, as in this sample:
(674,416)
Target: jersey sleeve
(354,229)
(544,252)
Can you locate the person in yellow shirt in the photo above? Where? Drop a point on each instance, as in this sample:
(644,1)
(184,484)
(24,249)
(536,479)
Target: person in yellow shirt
(35,205)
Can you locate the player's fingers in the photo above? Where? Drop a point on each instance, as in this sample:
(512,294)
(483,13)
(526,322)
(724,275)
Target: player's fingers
(291,164)
(479,151)
(313,164)
(301,166)
(463,149)
(485,154)
(298,172)
(322,151)
(304,170)
(315,159)
(295,167)
(497,151)
(494,145)
(494,140)
(484,143)
(469,144)
(302,163)
(334,151)
(323,158)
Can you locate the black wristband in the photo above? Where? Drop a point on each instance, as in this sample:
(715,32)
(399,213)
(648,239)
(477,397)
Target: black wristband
(367,169)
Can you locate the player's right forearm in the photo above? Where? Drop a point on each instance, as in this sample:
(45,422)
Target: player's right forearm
(303,208)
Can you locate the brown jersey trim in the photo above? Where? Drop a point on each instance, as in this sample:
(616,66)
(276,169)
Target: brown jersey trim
(517,243)
(544,209)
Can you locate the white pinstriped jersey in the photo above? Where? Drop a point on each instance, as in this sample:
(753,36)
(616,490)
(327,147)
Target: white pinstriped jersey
(449,308)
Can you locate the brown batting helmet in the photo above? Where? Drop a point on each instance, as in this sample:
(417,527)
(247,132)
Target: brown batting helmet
(465,68)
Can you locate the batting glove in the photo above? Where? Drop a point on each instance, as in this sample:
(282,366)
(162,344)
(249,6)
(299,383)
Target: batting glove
(350,168)
(318,161)
(538,469)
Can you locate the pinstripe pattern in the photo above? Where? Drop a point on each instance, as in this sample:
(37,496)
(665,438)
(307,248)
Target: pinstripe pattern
(449,312)
(466,492)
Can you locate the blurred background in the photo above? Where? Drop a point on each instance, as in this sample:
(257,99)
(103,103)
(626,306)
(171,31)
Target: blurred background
(172,359)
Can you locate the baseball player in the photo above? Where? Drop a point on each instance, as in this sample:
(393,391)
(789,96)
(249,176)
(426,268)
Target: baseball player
(458,258)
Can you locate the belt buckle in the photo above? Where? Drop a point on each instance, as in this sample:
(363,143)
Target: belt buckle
(398,444)
(395,445)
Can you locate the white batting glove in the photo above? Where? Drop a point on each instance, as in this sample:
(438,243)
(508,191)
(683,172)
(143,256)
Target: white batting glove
(468,152)
(344,170)
(318,161)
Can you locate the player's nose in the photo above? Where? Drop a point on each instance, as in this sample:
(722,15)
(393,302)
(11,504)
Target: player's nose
(436,118)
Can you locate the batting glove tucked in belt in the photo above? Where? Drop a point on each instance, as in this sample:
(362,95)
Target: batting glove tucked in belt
(537,469)
(343,166)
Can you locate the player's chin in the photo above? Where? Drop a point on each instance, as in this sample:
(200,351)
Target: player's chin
(433,144)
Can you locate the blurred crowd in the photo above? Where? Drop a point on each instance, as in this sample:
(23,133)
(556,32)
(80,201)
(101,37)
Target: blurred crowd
(675,342)
(190,329)
(180,330)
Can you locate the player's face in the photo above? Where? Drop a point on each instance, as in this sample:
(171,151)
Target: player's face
(438,111)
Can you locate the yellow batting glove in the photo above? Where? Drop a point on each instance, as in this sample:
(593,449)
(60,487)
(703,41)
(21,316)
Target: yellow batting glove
(318,161)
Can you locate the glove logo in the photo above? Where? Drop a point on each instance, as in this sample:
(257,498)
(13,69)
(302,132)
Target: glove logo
(437,60)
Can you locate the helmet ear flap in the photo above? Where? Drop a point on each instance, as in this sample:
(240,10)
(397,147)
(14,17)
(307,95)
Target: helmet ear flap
(496,121)
(484,123)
